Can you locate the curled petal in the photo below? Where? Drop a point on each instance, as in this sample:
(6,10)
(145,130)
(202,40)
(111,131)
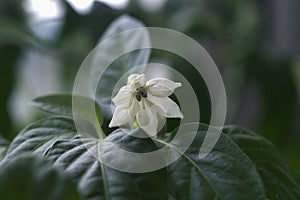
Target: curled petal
(124,96)
(170,108)
(139,81)
(148,120)
(121,116)
(161,87)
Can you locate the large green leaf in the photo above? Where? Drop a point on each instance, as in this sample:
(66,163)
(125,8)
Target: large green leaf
(112,51)
(30,178)
(56,139)
(3,147)
(277,181)
(225,173)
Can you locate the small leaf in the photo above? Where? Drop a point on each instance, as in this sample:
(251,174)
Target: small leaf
(61,104)
(113,49)
(30,178)
(3,147)
(278,183)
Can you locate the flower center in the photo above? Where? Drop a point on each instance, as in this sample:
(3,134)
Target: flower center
(140,92)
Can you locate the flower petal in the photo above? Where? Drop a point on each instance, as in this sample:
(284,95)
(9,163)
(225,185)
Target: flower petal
(123,97)
(134,107)
(169,107)
(147,120)
(143,117)
(139,81)
(121,116)
(161,87)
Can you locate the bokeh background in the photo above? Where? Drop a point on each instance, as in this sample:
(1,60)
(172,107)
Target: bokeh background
(255,44)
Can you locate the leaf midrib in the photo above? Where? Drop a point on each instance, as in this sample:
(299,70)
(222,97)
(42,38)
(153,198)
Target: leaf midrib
(192,162)
(104,178)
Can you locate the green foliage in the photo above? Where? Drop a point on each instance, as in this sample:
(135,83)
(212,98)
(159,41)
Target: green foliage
(62,105)
(32,178)
(225,173)
(13,33)
(57,140)
(277,181)
(3,147)
(14,36)
(242,165)
(126,63)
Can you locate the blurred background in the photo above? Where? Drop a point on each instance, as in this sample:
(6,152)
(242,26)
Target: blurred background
(255,44)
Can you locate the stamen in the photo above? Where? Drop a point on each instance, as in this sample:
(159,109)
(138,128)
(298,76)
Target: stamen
(140,92)
(138,96)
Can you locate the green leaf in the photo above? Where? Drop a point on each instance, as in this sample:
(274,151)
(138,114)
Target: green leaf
(61,104)
(3,147)
(13,32)
(250,170)
(39,136)
(278,183)
(152,185)
(124,64)
(225,173)
(30,178)
(57,140)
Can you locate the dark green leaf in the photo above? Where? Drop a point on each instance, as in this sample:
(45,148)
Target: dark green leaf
(61,104)
(56,139)
(278,183)
(39,136)
(13,32)
(225,173)
(30,178)
(152,185)
(3,147)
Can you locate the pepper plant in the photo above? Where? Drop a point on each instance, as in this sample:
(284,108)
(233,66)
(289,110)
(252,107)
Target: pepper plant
(49,159)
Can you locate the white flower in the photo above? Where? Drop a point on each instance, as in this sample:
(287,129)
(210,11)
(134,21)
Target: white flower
(147,101)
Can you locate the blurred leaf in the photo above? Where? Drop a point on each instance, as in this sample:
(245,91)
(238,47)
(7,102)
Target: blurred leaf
(3,147)
(56,139)
(29,178)
(77,22)
(225,173)
(12,32)
(79,35)
(61,104)
(277,181)
(111,52)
